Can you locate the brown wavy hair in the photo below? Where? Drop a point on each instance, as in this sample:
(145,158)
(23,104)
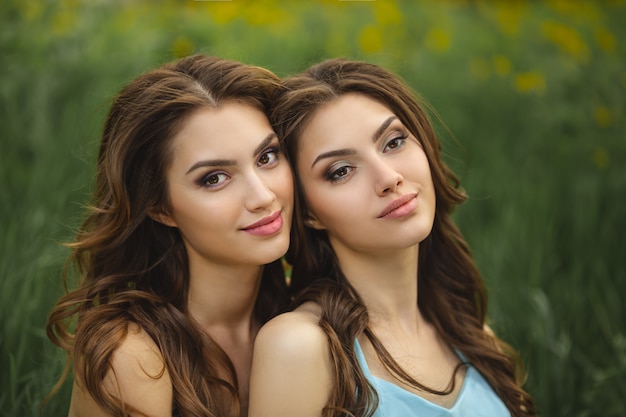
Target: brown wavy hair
(133,269)
(452,294)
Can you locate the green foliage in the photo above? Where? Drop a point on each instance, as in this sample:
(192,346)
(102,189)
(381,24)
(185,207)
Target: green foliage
(533,94)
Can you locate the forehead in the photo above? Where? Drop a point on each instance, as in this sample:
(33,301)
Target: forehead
(352,109)
(231,127)
(227,119)
(349,117)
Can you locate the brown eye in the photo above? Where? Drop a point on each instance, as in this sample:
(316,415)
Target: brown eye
(395,143)
(340,173)
(268,158)
(213,179)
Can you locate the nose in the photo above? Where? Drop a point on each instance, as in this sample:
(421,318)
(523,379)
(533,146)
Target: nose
(258,194)
(386,178)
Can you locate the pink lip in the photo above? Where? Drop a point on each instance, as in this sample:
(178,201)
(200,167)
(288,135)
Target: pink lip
(400,207)
(266,226)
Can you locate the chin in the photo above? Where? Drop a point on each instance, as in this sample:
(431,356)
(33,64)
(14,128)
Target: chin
(276,252)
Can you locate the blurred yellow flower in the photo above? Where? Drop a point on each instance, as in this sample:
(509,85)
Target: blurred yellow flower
(438,40)
(605,39)
(502,65)
(530,82)
(602,116)
(387,13)
(600,158)
(223,12)
(30,9)
(370,40)
(182,47)
(266,13)
(579,10)
(563,6)
(508,15)
(63,22)
(567,39)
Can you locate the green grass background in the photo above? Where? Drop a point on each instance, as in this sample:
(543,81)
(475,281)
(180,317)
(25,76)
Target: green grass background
(531,94)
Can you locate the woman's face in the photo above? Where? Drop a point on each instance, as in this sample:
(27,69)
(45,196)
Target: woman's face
(365,178)
(230,190)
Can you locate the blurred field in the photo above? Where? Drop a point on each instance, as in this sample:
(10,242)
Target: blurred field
(532,95)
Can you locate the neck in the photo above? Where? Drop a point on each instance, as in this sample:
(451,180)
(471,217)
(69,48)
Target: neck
(222,298)
(387,283)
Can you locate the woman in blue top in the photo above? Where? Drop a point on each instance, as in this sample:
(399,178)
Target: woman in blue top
(390,314)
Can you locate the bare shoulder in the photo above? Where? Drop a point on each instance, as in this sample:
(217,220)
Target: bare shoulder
(296,333)
(291,367)
(138,376)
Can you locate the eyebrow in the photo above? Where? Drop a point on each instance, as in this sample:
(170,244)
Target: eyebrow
(379,132)
(211,163)
(268,139)
(230,162)
(330,154)
(349,151)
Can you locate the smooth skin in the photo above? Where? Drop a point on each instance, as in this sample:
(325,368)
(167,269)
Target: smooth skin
(368,184)
(226,176)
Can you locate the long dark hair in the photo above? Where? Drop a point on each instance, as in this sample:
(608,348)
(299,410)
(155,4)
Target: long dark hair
(133,269)
(452,294)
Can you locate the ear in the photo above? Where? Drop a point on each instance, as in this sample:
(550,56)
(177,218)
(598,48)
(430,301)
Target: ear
(161,216)
(313,222)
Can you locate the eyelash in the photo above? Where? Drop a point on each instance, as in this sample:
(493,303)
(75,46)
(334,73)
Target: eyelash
(273,149)
(204,180)
(332,175)
(398,139)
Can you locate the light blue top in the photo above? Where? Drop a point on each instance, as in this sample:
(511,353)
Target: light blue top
(476,399)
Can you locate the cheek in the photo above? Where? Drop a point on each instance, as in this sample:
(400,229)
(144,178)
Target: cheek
(333,209)
(314,197)
(285,180)
(418,168)
(199,208)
